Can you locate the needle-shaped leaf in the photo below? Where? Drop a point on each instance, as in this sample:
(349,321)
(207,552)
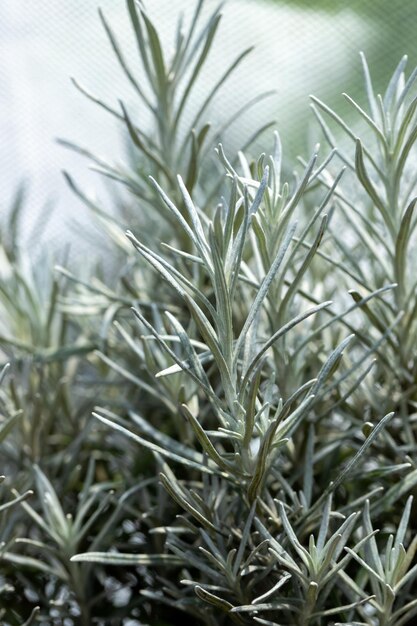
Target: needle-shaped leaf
(205,442)
(118,558)
(263,290)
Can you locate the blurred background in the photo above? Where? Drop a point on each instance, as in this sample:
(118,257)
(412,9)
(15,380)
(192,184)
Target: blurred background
(301,47)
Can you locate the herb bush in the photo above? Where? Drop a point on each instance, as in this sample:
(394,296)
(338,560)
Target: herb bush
(250,367)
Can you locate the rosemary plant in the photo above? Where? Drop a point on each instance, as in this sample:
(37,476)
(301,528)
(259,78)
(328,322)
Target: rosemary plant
(381,217)
(223,431)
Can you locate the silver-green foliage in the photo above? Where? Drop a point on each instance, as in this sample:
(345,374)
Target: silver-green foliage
(253,455)
(381,215)
(272,433)
(226,350)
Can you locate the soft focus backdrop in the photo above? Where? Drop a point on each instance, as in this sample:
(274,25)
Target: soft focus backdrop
(301,47)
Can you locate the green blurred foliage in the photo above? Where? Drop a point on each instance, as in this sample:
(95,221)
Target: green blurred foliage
(390,34)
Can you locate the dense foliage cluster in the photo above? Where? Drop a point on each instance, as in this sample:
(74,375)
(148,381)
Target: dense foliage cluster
(224,431)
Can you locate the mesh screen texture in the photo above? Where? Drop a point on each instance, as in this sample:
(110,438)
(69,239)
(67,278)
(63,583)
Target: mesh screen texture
(300,47)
